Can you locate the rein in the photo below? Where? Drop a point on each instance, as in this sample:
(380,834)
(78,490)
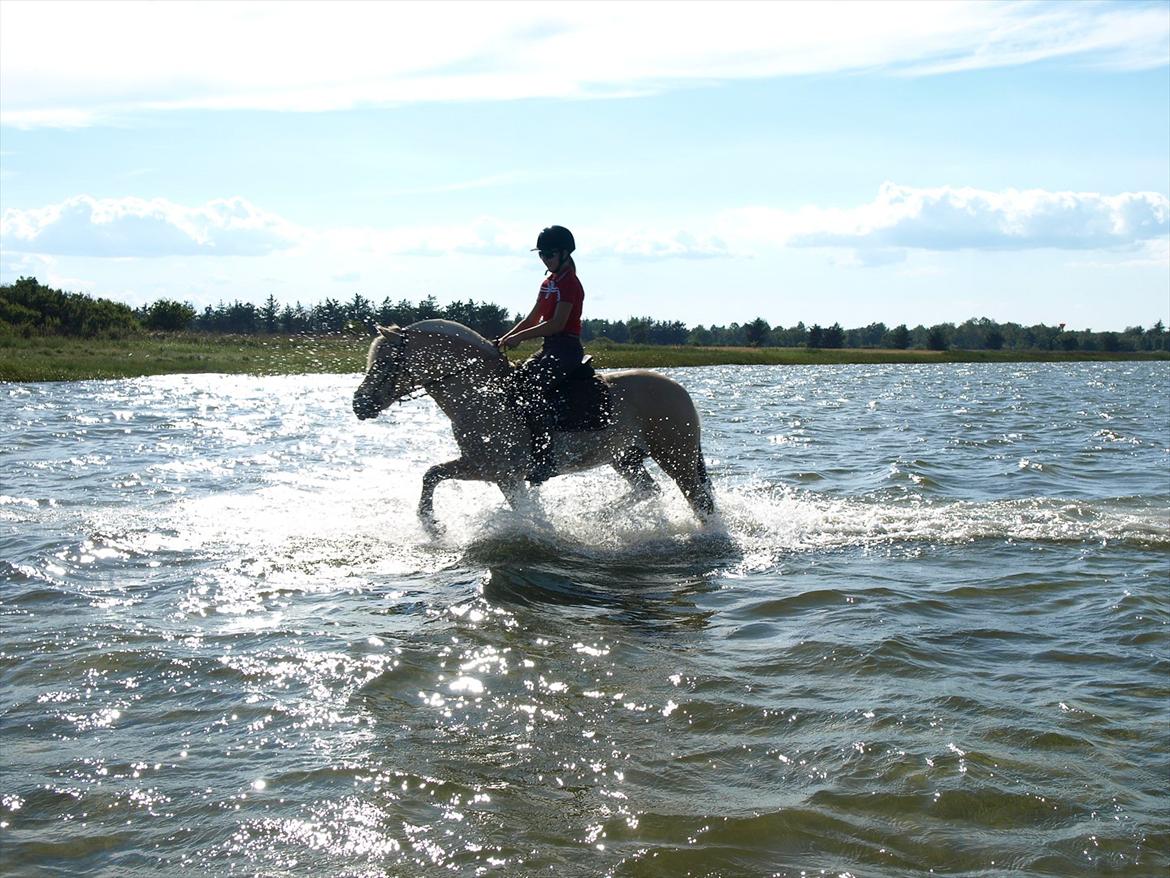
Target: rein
(422,389)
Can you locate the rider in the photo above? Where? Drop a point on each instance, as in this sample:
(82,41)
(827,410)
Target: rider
(556,317)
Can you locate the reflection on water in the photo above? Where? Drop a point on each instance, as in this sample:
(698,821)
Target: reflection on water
(928,631)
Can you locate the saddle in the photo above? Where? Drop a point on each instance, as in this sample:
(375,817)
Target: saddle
(581,402)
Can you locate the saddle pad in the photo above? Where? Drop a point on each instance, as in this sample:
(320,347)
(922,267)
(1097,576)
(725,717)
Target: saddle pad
(582,405)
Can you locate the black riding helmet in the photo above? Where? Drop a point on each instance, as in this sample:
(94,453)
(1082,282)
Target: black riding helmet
(555,238)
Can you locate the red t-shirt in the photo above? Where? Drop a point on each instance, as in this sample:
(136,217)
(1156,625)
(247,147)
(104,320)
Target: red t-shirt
(563,287)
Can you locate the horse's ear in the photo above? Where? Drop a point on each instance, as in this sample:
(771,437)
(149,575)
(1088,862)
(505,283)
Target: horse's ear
(387,331)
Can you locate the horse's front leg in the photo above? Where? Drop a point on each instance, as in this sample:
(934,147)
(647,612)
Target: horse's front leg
(515,492)
(452,469)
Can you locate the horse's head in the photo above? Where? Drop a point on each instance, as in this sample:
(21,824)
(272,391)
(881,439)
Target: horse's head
(440,354)
(386,376)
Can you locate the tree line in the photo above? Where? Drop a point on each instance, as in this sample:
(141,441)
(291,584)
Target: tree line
(28,307)
(974,334)
(332,316)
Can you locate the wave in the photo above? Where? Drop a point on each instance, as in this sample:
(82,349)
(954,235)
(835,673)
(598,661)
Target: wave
(584,521)
(790,519)
(314,530)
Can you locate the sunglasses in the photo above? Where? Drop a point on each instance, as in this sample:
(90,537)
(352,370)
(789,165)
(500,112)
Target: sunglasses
(548,254)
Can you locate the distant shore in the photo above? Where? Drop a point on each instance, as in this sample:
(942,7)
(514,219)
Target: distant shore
(55,358)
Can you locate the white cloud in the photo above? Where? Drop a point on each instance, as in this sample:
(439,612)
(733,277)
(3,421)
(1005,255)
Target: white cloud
(878,233)
(950,218)
(120,227)
(490,236)
(111,58)
(46,269)
(643,245)
(1154,253)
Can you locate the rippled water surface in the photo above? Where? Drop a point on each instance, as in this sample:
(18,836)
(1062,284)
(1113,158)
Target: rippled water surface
(929,632)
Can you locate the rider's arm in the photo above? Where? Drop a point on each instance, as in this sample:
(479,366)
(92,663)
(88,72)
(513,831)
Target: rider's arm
(529,321)
(549,327)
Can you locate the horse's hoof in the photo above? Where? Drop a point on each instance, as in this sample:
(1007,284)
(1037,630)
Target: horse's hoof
(431,526)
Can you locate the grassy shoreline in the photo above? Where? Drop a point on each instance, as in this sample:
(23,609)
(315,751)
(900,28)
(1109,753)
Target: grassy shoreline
(54,358)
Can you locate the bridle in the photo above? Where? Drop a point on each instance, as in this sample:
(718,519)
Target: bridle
(390,366)
(397,359)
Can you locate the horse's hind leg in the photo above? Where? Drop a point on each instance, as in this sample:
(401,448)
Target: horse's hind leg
(703,496)
(631,468)
(686,467)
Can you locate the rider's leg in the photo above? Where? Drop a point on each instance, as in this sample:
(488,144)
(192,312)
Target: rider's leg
(536,378)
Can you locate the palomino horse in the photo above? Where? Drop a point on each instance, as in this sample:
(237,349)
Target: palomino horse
(469,380)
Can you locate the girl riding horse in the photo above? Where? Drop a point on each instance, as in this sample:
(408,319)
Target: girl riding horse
(556,317)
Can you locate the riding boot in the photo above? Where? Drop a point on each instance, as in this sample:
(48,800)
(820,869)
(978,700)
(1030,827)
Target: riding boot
(542,468)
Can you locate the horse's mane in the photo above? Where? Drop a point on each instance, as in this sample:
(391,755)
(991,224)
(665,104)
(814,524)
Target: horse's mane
(456,330)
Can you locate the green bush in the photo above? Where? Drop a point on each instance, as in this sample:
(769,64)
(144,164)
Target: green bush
(29,308)
(167,315)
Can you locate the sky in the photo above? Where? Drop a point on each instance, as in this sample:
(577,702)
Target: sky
(902,162)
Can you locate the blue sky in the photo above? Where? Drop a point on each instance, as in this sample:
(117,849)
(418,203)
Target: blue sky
(902,162)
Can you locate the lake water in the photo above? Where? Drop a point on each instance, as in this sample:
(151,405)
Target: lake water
(928,634)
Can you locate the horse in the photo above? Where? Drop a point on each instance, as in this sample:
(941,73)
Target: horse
(470,379)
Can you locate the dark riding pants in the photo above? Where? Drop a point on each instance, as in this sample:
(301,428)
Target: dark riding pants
(549,367)
(546,369)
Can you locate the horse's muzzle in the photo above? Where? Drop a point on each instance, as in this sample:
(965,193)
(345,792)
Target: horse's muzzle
(364,406)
